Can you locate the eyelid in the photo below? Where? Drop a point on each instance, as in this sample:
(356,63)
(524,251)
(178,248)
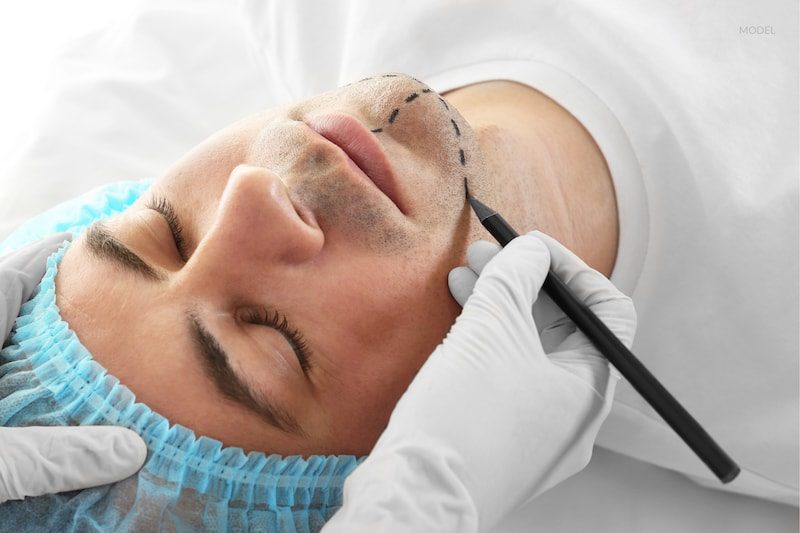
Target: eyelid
(279,322)
(163,207)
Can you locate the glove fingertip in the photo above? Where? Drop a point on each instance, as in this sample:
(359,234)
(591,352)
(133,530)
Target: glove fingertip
(560,254)
(138,447)
(112,452)
(519,270)
(461,282)
(480,253)
(129,451)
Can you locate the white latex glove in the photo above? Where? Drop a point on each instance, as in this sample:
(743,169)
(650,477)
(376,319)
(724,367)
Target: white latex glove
(21,272)
(493,419)
(41,460)
(45,460)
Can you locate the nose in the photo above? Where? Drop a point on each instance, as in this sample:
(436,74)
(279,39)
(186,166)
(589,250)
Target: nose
(257,224)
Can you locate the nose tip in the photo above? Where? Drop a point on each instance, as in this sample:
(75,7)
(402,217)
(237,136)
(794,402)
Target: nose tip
(257,211)
(261,183)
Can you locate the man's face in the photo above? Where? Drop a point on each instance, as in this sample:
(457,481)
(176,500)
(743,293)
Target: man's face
(275,223)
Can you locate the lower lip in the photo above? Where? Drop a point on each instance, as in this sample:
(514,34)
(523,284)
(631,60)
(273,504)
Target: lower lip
(338,127)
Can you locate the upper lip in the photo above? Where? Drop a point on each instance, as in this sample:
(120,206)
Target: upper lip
(349,134)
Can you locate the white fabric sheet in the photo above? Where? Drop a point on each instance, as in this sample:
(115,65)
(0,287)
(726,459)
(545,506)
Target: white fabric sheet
(125,102)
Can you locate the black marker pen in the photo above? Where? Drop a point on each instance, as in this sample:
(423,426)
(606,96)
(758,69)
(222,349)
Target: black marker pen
(618,355)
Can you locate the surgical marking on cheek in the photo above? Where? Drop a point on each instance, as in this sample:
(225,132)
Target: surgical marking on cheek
(462,156)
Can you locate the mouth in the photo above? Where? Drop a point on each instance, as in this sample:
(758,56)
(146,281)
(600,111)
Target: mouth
(363,150)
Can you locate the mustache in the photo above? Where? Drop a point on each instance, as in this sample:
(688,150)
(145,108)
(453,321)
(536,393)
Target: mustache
(340,205)
(343,209)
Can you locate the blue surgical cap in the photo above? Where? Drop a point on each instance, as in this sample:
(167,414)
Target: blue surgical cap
(188,483)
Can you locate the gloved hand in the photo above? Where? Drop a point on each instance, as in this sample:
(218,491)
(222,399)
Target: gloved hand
(20,273)
(41,460)
(45,460)
(506,406)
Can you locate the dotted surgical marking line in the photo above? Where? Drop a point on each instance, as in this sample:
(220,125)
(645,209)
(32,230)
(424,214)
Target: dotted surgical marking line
(462,156)
(375,77)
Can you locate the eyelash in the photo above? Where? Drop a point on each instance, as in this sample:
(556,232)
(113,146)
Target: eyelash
(161,205)
(277,321)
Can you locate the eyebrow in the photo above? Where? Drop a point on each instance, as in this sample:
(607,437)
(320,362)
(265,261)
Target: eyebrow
(103,245)
(217,366)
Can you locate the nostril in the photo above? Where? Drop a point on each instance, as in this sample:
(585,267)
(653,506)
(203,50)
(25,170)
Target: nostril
(300,213)
(304,213)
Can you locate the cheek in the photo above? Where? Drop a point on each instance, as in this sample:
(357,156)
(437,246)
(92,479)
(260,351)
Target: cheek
(359,415)
(371,383)
(394,326)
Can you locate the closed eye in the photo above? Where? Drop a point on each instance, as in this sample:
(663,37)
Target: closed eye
(163,207)
(276,321)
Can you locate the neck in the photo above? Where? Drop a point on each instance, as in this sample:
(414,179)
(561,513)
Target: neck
(544,170)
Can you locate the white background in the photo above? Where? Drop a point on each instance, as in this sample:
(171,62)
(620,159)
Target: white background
(31,35)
